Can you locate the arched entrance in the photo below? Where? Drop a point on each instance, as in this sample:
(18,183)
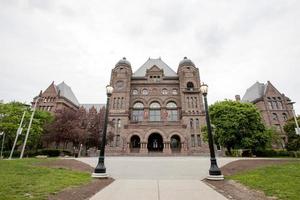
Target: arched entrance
(135,143)
(175,143)
(155,143)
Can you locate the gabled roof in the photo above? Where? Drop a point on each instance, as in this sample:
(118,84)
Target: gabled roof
(255,92)
(87,107)
(66,91)
(150,63)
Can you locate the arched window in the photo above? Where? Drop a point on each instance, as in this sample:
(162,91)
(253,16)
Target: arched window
(119,124)
(270,105)
(164,91)
(122,102)
(197,123)
(118,102)
(190,86)
(135,91)
(138,112)
(275,116)
(191,123)
(113,123)
(114,103)
(172,112)
(284,115)
(145,92)
(155,112)
(280,105)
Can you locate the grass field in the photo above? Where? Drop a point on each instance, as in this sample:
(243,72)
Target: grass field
(282,181)
(22,179)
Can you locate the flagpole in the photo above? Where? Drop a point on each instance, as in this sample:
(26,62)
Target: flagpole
(19,131)
(28,129)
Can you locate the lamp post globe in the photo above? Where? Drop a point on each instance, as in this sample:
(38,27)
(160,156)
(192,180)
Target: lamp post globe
(100,170)
(214,171)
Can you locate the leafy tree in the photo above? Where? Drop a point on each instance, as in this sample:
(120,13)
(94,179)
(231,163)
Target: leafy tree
(10,117)
(239,125)
(95,127)
(64,129)
(293,143)
(77,127)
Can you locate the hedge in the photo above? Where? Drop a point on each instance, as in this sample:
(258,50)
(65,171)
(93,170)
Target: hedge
(47,152)
(262,153)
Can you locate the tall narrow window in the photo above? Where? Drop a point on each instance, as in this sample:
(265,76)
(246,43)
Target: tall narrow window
(284,116)
(197,123)
(122,102)
(196,102)
(118,140)
(118,103)
(280,105)
(138,112)
(155,112)
(193,140)
(275,117)
(190,86)
(270,105)
(113,123)
(191,123)
(119,124)
(198,140)
(172,112)
(114,103)
(276,104)
(192,102)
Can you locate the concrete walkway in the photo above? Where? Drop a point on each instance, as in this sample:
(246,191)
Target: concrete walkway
(157,178)
(158,190)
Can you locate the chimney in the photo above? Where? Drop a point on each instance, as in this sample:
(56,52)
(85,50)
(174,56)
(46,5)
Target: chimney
(237,97)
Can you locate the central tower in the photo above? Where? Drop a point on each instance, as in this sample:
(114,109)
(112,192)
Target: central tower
(155,109)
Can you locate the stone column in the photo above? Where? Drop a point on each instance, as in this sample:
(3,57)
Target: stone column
(167,149)
(143,149)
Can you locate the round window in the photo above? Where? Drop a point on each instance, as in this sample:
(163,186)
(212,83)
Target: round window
(119,85)
(135,92)
(145,92)
(174,92)
(164,91)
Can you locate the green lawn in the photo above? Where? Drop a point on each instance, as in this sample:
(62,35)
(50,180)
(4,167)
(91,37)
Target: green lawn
(21,179)
(282,181)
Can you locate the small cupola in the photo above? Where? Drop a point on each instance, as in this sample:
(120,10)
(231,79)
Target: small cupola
(186,62)
(123,62)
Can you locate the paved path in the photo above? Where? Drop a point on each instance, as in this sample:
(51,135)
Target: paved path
(157,178)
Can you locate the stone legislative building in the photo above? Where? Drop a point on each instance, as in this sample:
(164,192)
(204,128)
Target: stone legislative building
(156,110)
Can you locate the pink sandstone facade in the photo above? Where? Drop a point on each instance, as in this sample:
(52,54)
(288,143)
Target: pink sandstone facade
(155,110)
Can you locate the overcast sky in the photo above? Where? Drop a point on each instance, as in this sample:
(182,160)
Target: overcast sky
(234,43)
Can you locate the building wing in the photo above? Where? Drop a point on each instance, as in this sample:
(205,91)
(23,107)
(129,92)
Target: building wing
(254,93)
(66,91)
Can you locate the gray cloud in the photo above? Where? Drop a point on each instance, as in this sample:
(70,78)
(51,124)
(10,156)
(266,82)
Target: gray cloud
(234,43)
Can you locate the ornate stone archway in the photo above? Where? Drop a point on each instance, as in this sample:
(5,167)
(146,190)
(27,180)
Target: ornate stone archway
(155,143)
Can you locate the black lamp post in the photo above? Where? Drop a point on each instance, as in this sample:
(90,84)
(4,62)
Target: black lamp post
(100,170)
(214,171)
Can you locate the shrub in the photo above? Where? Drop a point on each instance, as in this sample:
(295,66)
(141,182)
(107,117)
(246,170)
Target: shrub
(274,153)
(234,153)
(47,152)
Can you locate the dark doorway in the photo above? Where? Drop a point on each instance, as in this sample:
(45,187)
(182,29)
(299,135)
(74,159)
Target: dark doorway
(175,143)
(135,143)
(155,143)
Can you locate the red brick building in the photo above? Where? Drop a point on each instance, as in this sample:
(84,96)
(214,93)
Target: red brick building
(57,97)
(274,106)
